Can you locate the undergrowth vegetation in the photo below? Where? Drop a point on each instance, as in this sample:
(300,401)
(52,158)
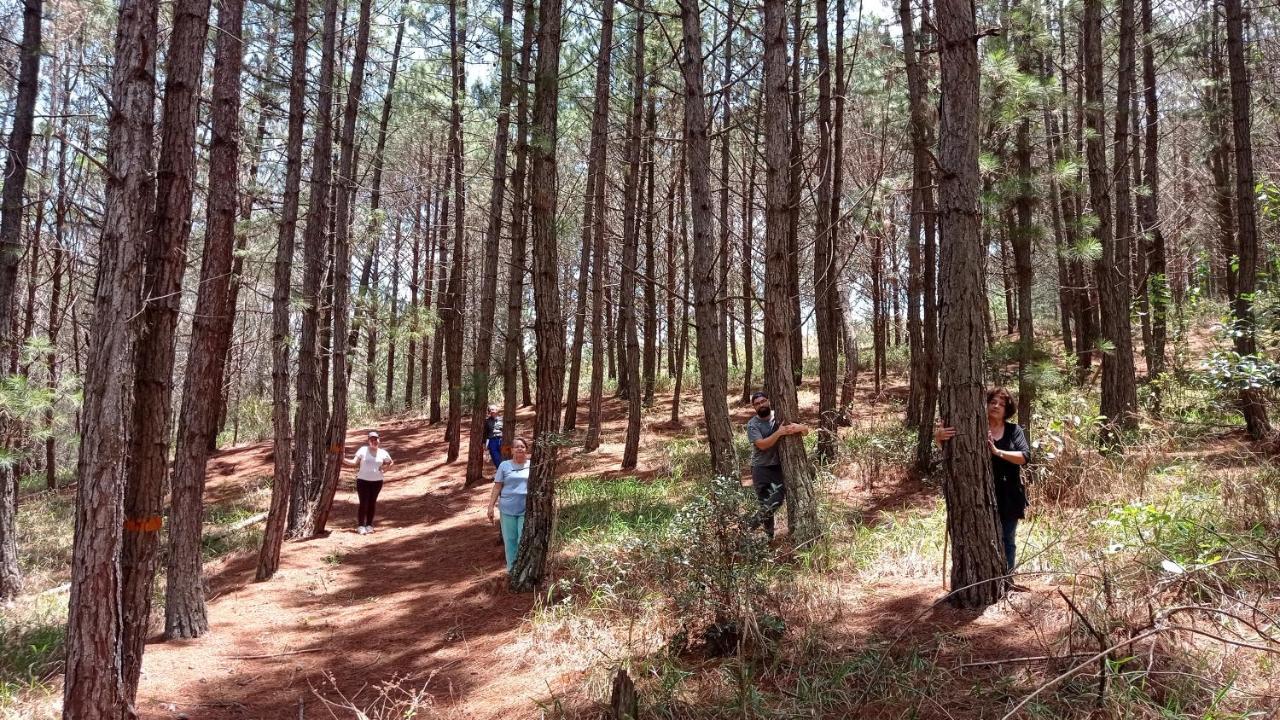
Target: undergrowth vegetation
(1152,569)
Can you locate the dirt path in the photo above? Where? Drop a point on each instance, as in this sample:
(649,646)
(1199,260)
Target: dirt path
(423,600)
(424,597)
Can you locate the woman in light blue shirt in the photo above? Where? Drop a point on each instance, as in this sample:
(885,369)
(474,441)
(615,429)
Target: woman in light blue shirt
(510,487)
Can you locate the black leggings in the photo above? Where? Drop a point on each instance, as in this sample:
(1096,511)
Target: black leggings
(367,491)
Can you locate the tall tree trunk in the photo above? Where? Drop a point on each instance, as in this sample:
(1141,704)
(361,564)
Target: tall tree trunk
(394,320)
(273,535)
(1157,281)
(681,343)
(456,315)
(442,265)
(925,367)
(95,679)
(711,360)
(826,301)
(630,369)
(795,166)
(650,351)
(493,243)
(1119,391)
(365,308)
(748,262)
(802,501)
(878,324)
(11,201)
(305,480)
(248,199)
(596,227)
(1023,232)
(1067,310)
(415,277)
(670,316)
(62,263)
(977,561)
(346,184)
(725,250)
(1087,302)
(211,326)
(535,542)
(152,418)
(428,273)
(514,350)
(1252,403)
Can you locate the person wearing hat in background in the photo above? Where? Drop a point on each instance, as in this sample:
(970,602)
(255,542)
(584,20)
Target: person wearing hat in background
(493,435)
(370,459)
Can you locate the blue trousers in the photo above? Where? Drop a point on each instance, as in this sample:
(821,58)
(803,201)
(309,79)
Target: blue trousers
(1009,534)
(512,527)
(495,451)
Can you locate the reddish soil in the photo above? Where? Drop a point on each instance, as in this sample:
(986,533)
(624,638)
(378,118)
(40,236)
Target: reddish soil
(424,600)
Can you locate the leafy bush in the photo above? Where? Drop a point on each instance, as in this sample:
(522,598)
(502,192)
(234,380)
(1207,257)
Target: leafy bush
(719,569)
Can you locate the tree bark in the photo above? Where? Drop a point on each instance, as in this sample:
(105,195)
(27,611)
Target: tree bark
(802,502)
(346,185)
(650,370)
(924,368)
(365,309)
(1023,232)
(796,165)
(597,182)
(273,535)
(514,350)
(711,359)
(152,418)
(442,279)
(1252,403)
(394,309)
(95,678)
(977,560)
(630,370)
(725,250)
(305,480)
(185,614)
(415,277)
(11,249)
(1157,281)
(493,243)
(826,301)
(535,542)
(1112,275)
(748,262)
(454,318)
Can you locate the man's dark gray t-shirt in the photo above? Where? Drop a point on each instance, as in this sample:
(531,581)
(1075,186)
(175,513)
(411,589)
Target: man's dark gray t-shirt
(759,428)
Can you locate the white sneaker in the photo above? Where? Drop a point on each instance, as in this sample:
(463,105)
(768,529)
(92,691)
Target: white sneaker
(368,529)
(362,530)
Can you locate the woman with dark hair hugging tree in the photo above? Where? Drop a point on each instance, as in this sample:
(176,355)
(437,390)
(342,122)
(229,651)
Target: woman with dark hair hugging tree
(1009,452)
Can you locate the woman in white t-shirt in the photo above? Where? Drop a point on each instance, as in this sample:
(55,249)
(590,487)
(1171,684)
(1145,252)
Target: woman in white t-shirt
(371,459)
(510,488)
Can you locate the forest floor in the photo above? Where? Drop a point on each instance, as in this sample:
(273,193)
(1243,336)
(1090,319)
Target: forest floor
(416,619)
(422,604)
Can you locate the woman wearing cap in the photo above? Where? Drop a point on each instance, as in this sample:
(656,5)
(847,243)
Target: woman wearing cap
(510,488)
(371,459)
